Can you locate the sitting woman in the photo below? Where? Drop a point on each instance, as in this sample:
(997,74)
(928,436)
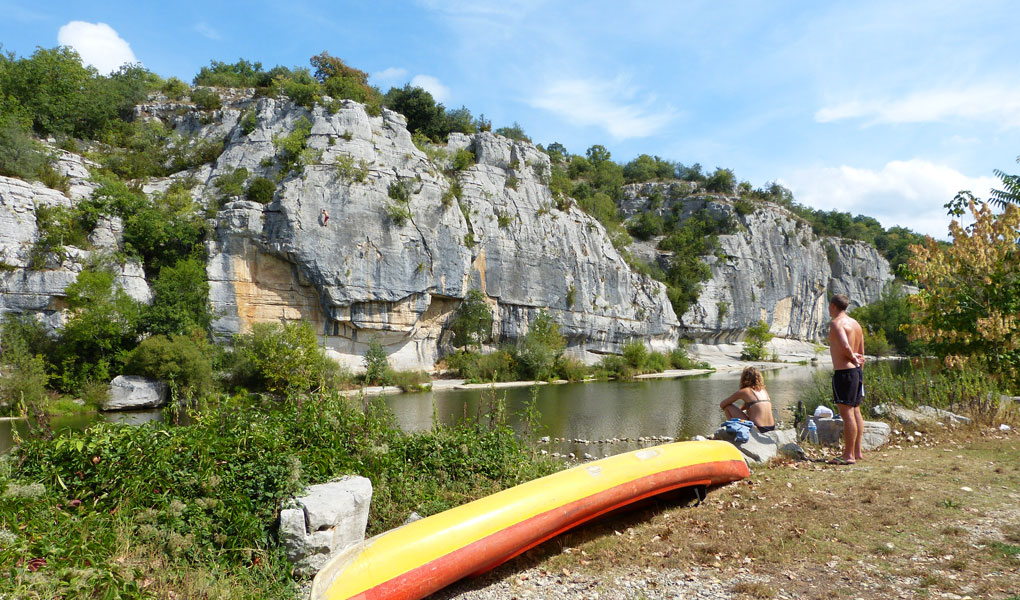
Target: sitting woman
(757,404)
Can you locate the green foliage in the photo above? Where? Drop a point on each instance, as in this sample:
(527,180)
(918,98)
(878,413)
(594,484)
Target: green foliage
(889,316)
(756,341)
(512,182)
(636,354)
(1010,192)
(261,190)
(232,184)
(348,171)
(184,362)
(143,149)
(541,348)
(292,149)
(166,230)
(646,225)
(180,299)
(377,366)
(399,211)
(102,329)
(301,88)
(679,358)
(427,117)
(721,181)
(58,227)
(463,159)
(283,359)
(571,296)
(206,99)
(175,89)
(20,155)
(483,368)
(248,121)
(26,374)
(514,132)
(472,325)
(341,82)
(648,168)
(695,238)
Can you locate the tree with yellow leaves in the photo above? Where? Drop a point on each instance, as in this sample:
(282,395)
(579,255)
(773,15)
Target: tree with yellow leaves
(968,308)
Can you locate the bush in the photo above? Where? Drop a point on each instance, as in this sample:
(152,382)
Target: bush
(755,342)
(175,89)
(180,299)
(472,324)
(636,354)
(613,366)
(24,383)
(540,349)
(232,184)
(166,230)
(463,159)
(184,362)
(377,366)
(411,381)
(292,149)
(206,99)
(657,362)
(248,121)
(283,359)
(680,359)
(483,368)
(20,155)
(876,344)
(261,190)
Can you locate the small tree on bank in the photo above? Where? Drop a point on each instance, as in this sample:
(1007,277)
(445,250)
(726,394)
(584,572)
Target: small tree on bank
(758,337)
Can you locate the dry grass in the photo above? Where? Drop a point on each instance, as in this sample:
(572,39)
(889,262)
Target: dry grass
(898,524)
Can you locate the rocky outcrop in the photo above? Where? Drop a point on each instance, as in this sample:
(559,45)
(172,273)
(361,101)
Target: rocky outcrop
(773,268)
(876,433)
(761,448)
(368,276)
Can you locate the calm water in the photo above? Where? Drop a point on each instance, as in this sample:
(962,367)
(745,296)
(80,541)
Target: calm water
(679,408)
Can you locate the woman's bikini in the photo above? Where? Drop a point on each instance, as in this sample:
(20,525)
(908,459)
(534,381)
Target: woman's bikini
(758,400)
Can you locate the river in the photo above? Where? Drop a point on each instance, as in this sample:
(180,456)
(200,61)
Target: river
(679,408)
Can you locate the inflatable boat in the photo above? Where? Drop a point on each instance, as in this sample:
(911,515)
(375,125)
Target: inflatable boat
(417,559)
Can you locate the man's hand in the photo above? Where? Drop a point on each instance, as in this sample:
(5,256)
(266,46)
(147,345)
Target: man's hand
(859,359)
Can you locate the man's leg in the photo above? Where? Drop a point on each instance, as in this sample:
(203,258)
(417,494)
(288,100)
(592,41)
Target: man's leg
(732,412)
(859,420)
(849,431)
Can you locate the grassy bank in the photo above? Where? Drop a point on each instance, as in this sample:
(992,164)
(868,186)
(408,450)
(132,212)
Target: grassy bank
(916,520)
(189,511)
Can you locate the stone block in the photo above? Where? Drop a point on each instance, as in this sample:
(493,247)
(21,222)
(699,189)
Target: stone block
(830,433)
(328,518)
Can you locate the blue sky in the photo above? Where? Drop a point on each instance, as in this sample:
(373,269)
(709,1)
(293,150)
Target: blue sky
(881,108)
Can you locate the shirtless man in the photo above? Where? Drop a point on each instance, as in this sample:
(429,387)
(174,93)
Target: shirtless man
(846,346)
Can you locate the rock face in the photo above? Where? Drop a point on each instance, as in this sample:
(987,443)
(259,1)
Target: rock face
(367,276)
(774,268)
(132,393)
(41,290)
(327,519)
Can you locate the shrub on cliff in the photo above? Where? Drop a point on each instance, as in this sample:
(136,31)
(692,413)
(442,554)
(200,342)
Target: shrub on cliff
(260,190)
(180,299)
(472,325)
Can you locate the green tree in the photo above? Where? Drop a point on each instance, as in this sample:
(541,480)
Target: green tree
(722,181)
(377,366)
(514,132)
(1010,192)
(756,342)
(969,295)
(541,348)
(423,113)
(472,325)
(283,359)
(183,362)
(890,315)
(180,299)
(101,330)
(166,230)
(340,81)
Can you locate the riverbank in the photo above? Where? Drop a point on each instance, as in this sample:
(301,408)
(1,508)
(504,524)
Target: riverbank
(938,517)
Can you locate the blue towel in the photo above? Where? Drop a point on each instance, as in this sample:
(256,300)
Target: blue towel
(740,429)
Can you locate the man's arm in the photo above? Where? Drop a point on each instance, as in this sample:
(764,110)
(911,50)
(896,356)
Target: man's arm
(842,342)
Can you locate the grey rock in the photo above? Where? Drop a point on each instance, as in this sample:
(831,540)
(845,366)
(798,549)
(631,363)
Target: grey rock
(922,416)
(128,392)
(830,433)
(786,440)
(759,449)
(943,416)
(328,518)
(414,516)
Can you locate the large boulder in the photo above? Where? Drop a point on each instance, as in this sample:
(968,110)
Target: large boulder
(921,417)
(760,448)
(328,518)
(830,433)
(128,392)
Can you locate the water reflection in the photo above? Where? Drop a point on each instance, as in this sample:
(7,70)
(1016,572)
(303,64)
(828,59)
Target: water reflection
(680,408)
(75,422)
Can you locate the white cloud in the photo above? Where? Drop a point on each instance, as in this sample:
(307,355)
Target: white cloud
(996,103)
(607,104)
(390,75)
(908,193)
(207,30)
(432,85)
(98,44)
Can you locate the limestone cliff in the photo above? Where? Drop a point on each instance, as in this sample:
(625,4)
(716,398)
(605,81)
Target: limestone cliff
(408,236)
(773,268)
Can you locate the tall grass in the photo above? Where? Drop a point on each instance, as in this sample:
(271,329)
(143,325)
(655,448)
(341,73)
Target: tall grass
(970,392)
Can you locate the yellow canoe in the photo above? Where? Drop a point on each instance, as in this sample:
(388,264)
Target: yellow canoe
(415,560)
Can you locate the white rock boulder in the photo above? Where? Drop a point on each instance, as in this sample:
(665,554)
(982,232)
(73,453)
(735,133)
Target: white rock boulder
(128,392)
(328,518)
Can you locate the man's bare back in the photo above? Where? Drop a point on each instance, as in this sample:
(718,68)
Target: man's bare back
(846,339)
